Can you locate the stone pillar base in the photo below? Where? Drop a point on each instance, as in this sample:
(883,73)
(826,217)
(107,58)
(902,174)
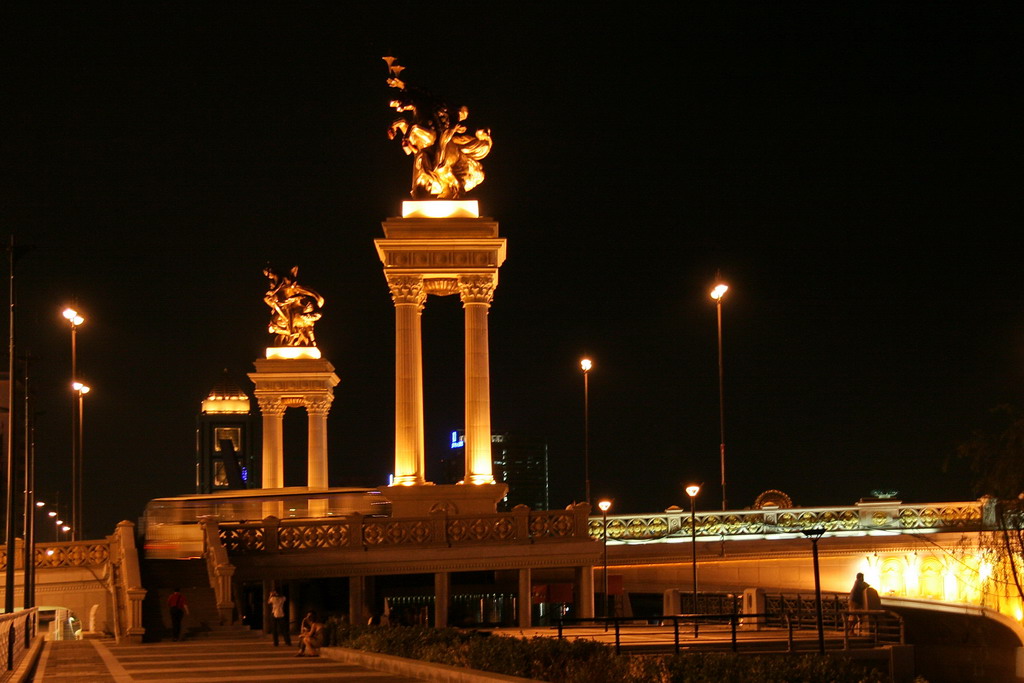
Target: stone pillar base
(456,499)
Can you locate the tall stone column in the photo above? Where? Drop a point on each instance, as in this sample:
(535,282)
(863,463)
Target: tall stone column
(524,598)
(584,591)
(476,292)
(357,600)
(317,409)
(442,598)
(273,441)
(409,297)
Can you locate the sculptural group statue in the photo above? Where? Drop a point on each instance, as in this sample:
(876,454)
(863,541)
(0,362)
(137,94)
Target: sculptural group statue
(446,156)
(293,309)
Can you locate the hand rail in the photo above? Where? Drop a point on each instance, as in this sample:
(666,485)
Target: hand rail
(676,620)
(17,630)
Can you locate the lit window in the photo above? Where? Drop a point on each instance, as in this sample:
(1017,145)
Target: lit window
(232,434)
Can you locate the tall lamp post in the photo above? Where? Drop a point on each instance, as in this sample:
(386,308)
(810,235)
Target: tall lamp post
(76,509)
(814,535)
(605,505)
(692,490)
(74,319)
(717,293)
(585,364)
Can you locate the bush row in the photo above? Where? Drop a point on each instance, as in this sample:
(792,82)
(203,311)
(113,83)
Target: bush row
(586,661)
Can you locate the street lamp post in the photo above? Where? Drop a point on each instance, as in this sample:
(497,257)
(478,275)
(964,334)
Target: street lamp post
(717,294)
(76,510)
(692,490)
(52,514)
(29,565)
(586,365)
(814,535)
(74,319)
(605,505)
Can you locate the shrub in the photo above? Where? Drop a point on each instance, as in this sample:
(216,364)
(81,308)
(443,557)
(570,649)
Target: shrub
(729,668)
(587,661)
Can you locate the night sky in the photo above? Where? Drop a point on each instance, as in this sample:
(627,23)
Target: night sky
(853,169)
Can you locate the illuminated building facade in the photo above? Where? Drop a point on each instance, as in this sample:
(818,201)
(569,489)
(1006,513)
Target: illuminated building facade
(227,435)
(519,461)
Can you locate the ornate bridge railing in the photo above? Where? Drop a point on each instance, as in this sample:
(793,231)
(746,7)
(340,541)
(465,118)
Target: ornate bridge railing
(356,532)
(59,555)
(862,517)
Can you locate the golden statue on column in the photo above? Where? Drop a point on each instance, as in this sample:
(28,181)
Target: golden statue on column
(294,309)
(446,156)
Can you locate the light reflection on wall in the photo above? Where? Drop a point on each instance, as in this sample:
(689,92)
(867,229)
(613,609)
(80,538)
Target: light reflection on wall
(974,577)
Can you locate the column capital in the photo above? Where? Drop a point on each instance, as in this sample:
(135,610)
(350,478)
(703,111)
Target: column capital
(477,288)
(271,406)
(407,289)
(319,404)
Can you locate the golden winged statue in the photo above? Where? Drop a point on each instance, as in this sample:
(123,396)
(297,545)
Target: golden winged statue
(446,156)
(293,308)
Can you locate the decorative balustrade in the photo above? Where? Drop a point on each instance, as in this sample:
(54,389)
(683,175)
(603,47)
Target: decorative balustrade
(367,533)
(891,516)
(60,555)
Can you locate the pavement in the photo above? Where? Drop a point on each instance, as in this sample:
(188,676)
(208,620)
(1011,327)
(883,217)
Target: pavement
(228,659)
(252,657)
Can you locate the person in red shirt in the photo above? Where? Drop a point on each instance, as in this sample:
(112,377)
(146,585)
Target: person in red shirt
(179,608)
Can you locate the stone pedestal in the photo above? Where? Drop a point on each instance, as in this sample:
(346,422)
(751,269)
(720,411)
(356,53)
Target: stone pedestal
(294,383)
(441,256)
(455,499)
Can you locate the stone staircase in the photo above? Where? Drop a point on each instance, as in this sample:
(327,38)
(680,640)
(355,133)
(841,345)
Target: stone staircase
(160,578)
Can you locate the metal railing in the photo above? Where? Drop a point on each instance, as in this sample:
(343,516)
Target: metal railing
(16,633)
(677,620)
(874,628)
(873,516)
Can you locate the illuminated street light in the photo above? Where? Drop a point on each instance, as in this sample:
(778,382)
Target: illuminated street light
(605,505)
(75,319)
(76,504)
(718,293)
(585,364)
(692,490)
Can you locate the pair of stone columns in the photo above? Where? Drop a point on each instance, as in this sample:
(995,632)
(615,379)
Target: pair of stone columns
(294,383)
(409,293)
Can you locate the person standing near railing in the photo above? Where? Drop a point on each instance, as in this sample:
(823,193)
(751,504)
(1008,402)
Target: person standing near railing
(858,602)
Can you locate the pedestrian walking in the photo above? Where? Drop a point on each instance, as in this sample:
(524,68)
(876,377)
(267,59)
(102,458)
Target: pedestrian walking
(178,606)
